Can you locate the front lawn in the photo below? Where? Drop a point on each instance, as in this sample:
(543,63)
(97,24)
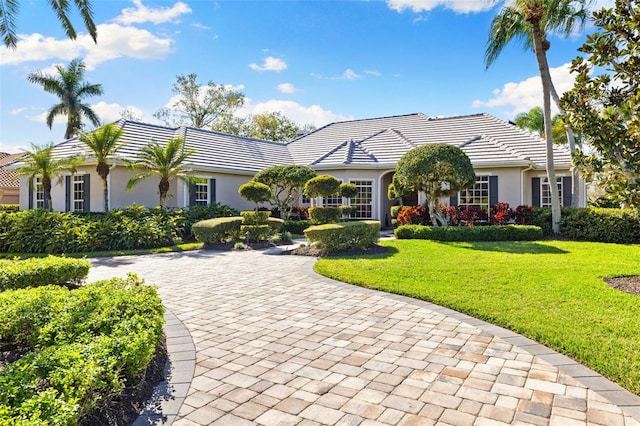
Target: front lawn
(550,291)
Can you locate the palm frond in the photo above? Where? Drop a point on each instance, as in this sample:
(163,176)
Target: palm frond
(84,7)
(8,18)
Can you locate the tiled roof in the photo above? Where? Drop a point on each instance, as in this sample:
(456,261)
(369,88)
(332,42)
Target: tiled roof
(8,178)
(375,142)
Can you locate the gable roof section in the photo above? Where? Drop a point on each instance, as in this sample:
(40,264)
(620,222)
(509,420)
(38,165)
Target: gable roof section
(484,138)
(8,178)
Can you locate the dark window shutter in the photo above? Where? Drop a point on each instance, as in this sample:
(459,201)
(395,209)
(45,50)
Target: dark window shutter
(192,194)
(30,193)
(212,191)
(87,193)
(493,191)
(67,193)
(453,200)
(566,191)
(535,192)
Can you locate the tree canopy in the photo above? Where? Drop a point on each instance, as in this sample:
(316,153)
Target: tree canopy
(255,192)
(438,170)
(286,183)
(604,107)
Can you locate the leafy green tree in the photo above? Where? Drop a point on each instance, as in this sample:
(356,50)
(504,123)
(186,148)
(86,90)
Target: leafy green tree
(166,162)
(529,21)
(40,162)
(438,170)
(71,89)
(200,106)
(286,183)
(533,121)
(272,126)
(321,186)
(104,143)
(604,107)
(9,15)
(255,192)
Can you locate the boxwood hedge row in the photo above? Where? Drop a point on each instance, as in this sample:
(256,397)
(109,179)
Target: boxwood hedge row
(470,233)
(34,272)
(343,236)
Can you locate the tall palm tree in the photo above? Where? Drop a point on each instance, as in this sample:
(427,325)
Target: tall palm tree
(533,121)
(40,162)
(529,21)
(104,142)
(69,87)
(9,16)
(166,162)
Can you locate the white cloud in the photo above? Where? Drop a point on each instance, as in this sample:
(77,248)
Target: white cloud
(287,88)
(141,13)
(460,6)
(349,74)
(373,73)
(270,64)
(113,41)
(313,114)
(517,97)
(113,112)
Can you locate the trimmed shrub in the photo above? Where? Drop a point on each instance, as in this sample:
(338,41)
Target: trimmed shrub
(9,208)
(348,211)
(35,272)
(251,217)
(414,215)
(602,225)
(321,185)
(295,226)
(344,236)
(322,215)
(255,232)
(470,233)
(395,210)
(275,224)
(217,230)
(86,345)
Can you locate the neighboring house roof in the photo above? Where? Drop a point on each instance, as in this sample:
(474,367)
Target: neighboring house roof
(484,138)
(368,143)
(8,178)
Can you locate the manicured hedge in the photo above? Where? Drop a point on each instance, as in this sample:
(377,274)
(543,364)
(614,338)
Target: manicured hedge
(295,226)
(9,208)
(35,272)
(601,225)
(344,236)
(217,230)
(83,346)
(323,215)
(470,233)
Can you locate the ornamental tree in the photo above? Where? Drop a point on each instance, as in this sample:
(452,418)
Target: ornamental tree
(255,191)
(437,170)
(286,184)
(321,186)
(604,107)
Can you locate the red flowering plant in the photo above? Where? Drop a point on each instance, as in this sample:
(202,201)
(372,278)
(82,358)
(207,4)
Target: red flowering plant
(414,215)
(501,214)
(522,215)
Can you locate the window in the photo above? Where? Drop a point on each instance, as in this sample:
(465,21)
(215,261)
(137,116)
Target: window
(39,193)
(202,194)
(545,192)
(78,193)
(305,200)
(363,200)
(477,195)
(332,201)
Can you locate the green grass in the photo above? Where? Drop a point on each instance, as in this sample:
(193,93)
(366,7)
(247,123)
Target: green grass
(176,248)
(550,291)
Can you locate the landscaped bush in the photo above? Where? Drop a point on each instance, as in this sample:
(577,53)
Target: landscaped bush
(344,236)
(9,208)
(275,224)
(295,226)
(601,225)
(252,217)
(394,211)
(470,233)
(414,215)
(255,232)
(322,215)
(35,272)
(83,346)
(217,230)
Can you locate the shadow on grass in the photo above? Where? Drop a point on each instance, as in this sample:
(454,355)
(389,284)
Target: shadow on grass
(375,252)
(515,247)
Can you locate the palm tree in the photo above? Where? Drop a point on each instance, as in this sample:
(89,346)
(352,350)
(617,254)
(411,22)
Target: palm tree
(69,87)
(104,142)
(9,15)
(529,21)
(533,121)
(166,162)
(39,162)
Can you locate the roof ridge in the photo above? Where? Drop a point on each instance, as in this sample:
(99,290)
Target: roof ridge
(328,153)
(366,151)
(403,138)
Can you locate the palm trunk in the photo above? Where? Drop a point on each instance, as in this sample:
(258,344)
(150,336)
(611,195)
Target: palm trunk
(103,172)
(575,184)
(46,189)
(540,46)
(163,188)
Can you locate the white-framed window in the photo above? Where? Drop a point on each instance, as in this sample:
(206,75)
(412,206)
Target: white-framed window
(305,200)
(477,195)
(332,201)
(202,193)
(77,193)
(363,201)
(545,191)
(38,193)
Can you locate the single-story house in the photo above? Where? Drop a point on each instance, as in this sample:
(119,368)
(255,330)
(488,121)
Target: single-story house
(509,163)
(9,188)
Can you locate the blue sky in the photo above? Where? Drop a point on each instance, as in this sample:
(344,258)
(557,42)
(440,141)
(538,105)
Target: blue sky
(314,61)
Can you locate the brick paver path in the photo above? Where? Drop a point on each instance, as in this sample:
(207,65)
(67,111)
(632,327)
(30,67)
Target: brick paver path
(276,344)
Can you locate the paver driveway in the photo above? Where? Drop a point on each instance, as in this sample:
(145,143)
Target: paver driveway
(276,344)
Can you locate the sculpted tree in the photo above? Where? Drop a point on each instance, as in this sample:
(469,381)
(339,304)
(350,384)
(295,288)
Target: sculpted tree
(71,89)
(437,170)
(201,106)
(9,14)
(604,107)
(286,184)
(255,192)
